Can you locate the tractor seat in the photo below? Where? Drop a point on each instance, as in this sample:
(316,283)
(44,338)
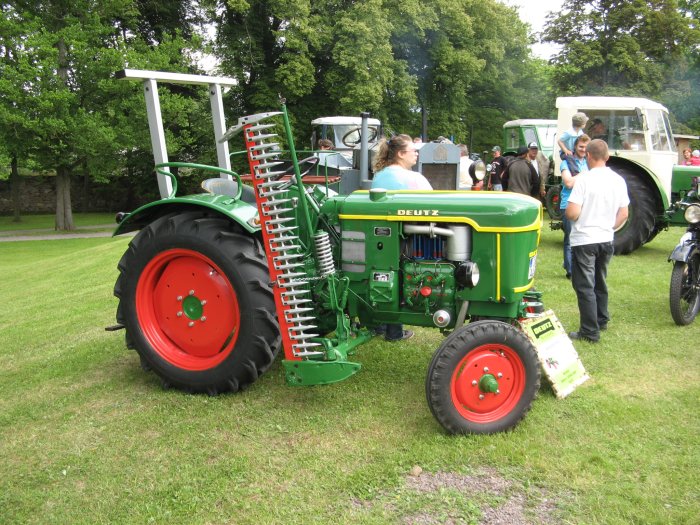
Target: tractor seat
(229,187)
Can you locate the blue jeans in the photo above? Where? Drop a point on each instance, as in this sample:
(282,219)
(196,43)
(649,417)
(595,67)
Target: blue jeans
(566,226)
(589,264)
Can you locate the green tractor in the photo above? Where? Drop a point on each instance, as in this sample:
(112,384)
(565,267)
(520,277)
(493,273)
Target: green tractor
(522,132)
(213,285)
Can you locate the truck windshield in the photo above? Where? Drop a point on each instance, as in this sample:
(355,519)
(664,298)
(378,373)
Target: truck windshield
(546,134)
(660,131)
(621,129)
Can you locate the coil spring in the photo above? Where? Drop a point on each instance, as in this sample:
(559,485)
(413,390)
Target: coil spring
(324,255)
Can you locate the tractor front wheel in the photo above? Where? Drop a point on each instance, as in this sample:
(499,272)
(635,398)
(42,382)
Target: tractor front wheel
(482,379)
(195,299)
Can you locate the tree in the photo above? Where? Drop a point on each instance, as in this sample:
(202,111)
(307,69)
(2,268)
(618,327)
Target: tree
(618,47)
(66,110)
(392,58)
(681,95)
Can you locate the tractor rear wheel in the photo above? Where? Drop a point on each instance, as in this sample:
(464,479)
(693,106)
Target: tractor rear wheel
(642,211)
(551,202)
(482,379)
(195,300)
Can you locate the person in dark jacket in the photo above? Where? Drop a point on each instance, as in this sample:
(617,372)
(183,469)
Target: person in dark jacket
(521,177)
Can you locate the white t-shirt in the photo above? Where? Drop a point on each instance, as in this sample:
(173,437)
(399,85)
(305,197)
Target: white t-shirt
(601,193)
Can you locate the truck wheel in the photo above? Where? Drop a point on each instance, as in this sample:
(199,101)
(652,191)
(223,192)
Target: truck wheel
(482,379)
(551,202)
(685,290)
(640,223)
(194,298)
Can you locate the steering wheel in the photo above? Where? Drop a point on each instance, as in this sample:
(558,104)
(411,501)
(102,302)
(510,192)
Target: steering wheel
(312,161)
(350,141)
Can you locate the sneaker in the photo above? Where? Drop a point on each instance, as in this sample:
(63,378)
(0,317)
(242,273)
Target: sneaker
(603,327)
(407,334)
(568,275)
(576,336)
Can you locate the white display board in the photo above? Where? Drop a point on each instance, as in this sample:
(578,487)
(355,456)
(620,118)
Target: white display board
(556,353)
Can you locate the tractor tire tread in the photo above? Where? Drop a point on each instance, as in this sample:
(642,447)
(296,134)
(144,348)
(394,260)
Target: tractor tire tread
(248,360)
(441,369)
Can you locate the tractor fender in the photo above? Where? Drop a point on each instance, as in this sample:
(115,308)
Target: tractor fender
(684,249)
(238,211)
(650,180)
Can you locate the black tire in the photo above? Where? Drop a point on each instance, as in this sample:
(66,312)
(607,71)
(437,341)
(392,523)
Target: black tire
(642,212)
(684,294)
(166,323)
(459,362)
(551,202)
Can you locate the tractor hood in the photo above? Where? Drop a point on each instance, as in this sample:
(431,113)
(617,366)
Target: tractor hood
(484,211)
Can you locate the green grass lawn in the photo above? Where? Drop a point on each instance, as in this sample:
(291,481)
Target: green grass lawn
(86,436)
(40,222)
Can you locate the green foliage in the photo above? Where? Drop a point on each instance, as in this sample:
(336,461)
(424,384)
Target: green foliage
(466,63)
(617,47)
(60,107)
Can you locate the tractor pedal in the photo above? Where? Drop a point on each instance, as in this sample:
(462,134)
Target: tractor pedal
(114,328)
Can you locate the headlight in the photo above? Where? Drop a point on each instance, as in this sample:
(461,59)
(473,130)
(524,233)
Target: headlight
(467,274)
(692,213)
(477,170)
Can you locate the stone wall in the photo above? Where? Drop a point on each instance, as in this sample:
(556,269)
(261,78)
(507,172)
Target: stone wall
(38,195)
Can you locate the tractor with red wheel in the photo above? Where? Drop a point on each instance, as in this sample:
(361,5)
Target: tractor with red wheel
(214,285)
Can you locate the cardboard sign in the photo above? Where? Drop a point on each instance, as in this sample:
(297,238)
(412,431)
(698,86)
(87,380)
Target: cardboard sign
(556,353)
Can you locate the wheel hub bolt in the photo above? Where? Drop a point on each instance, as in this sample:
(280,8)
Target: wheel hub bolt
(179,314)
(179,298)
(203,302)
(499,375)
(486,370)
(190,324)
(474,382)
(481,396)
(191,292)
(203,318)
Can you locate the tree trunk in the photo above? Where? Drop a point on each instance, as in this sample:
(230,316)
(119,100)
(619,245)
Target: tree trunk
(85,197)
(15,190)
(64,213)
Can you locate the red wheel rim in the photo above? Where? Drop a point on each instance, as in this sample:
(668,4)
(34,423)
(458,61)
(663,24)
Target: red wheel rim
(504,365)
(187,309)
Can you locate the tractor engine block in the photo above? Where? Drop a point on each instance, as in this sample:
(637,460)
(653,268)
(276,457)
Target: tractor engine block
(428,286)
